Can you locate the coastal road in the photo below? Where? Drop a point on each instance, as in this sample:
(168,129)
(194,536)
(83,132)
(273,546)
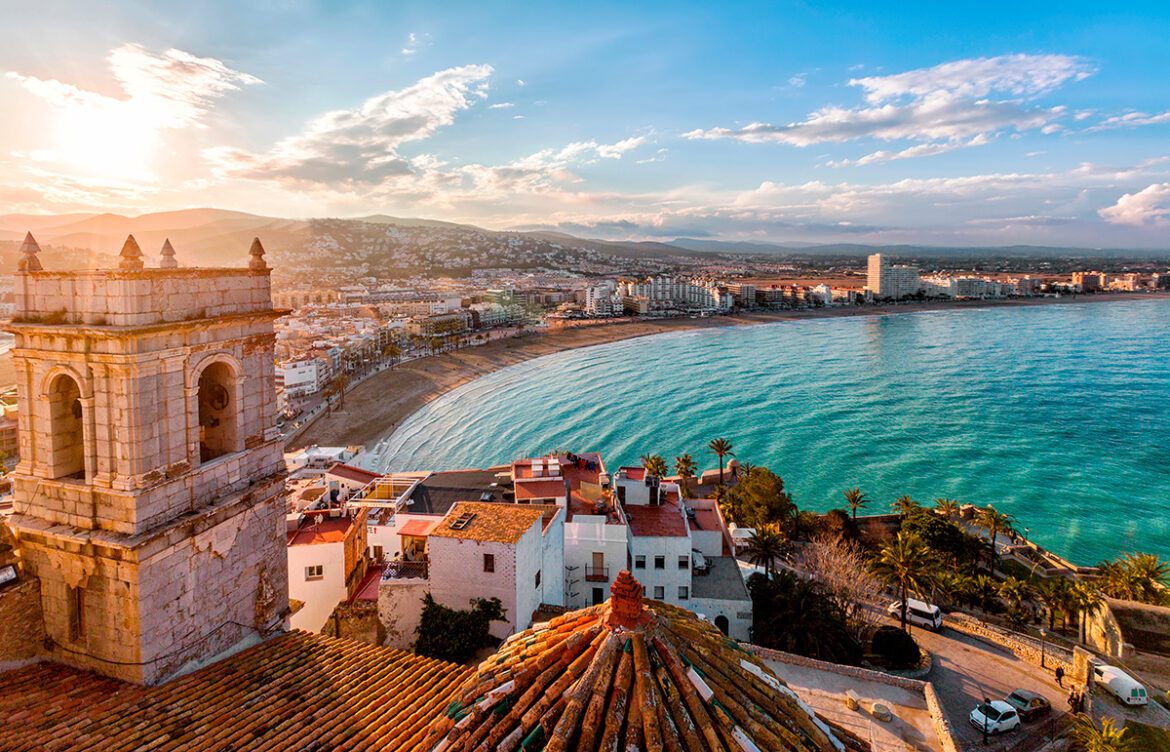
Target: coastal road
(966,670)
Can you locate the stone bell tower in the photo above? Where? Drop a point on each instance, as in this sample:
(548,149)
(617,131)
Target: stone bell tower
(148,496)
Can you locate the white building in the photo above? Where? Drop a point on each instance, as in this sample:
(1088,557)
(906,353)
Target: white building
(326,561)
(303,376)
(889,281)
(669,293)
(506,551)
(602,299)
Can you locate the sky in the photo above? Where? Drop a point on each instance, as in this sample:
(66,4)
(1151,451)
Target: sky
(940,123)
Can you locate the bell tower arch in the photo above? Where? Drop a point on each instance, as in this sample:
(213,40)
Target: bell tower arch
(148,496)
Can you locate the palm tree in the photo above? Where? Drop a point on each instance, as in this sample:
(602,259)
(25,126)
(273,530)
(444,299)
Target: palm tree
(1015,591)
(684,465)
(995,522)
(904,505)
(720,448)
(907,565)
(855,499)
(765,547)
(655,465)
(1086,737)
(1148,577)
(946,507)
(1088,600)
(1057,596)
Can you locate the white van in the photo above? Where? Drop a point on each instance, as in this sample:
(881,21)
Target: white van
(920,614)
(1120,684)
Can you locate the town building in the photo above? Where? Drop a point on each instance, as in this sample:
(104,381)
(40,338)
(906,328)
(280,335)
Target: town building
(890,281)
(326,560)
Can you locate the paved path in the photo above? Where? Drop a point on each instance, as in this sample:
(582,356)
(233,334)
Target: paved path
(966,670)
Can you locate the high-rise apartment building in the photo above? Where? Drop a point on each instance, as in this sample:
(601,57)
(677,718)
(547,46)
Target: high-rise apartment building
(891,281)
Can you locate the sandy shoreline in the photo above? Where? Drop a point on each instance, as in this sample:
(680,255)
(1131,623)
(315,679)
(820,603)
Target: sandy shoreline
(376,407)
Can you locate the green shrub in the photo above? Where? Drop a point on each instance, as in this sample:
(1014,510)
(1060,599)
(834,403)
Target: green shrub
(896,647)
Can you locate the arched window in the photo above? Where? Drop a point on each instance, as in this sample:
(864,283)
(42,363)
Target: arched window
(66,432)
(721,623)
(217,412)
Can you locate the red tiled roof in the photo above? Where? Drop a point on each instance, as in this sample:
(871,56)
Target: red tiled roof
(418,528)
(665,520)
(349,472)
(295,691)
(635,473)
(328,530)
(629,674)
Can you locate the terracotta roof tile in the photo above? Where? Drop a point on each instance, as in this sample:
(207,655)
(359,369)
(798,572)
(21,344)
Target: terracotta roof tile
(659,679)
(503,523)
(295,691)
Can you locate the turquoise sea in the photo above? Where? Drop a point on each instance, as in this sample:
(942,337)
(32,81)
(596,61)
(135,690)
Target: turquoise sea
(1057,414)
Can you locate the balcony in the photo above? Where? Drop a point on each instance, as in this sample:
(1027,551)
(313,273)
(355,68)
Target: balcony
(405,570)
(597,574)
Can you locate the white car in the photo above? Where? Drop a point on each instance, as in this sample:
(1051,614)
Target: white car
(1121,685)
(995,717)
(918,613)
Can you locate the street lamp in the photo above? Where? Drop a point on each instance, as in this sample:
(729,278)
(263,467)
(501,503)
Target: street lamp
(1043,636)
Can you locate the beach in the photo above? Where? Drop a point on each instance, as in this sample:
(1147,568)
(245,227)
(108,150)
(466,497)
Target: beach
(375,408)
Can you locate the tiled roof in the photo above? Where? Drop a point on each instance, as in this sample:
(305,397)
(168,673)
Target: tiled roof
(328,530)
(500,523)
(296,691)
(549,488)
(662,520)
(629,674)
(349,472)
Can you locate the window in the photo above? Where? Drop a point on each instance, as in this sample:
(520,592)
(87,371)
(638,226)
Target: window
(683,593)
(538,578)
(66,437)
(217,414)
(315,572)
(660,562)
(489,562)
(659,592)
(639,562)
(76,613)
(684,562)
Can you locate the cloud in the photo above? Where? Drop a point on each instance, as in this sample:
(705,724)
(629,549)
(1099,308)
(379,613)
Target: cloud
(359,146)
(171,90)
(411,45)
(1132,120)
(521,82)
(500,105)
(1148,207)
(798,80)
(943,106)
(615,151)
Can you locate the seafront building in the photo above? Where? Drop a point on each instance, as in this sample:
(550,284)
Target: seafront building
(890,281)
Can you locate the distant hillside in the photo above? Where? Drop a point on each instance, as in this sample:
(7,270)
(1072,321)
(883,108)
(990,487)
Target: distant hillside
(635,248)
(907,251)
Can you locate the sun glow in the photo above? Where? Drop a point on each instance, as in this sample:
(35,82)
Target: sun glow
(108,143)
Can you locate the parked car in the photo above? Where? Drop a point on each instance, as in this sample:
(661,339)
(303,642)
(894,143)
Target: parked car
(1121,685)
(920,614)
(995,717)
(1028,704)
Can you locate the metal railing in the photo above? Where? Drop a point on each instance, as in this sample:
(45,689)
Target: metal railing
(405,570)
(597,574)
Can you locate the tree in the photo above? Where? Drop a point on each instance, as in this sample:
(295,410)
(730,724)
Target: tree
(720,448)
(655,465)
(855,499)
(907,566)
(1057,594)
(995,523)
(904,505)
(447,634)
(1137,577)
(1087,737)
(946,507)
(1087,600)
(684,466)
(840,568)
(946,539)
(337,388)
(759,499)
(765,547)
(793,614)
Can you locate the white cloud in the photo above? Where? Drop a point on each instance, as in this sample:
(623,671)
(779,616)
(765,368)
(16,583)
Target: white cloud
(947,106)
(615,151)
(171,90)
(411,44)
(359,146)
(1132,120)
(500,105)
(1147,207)
(521,82)
(798,80)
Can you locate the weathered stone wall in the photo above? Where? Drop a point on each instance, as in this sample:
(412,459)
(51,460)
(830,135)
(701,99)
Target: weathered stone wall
(400,605)
(356,621)
(1023,647)
(22,634)
(118,297)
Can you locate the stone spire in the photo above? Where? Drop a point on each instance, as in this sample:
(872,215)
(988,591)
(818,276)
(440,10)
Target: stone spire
(257,254)
(28,255)
(168,256)
(131,254)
